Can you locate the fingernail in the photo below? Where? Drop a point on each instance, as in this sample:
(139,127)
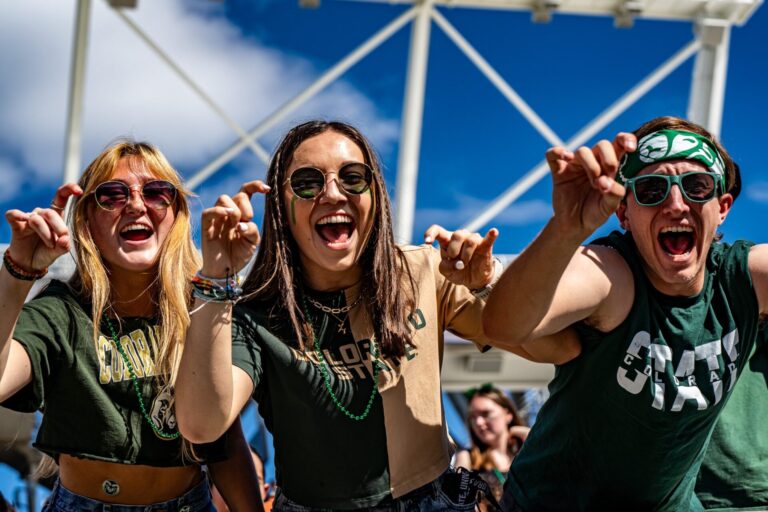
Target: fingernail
(229,210)
(428,239)
(459,265)
(242,226)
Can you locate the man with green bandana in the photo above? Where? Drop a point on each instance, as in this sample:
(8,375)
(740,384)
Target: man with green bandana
(666,314)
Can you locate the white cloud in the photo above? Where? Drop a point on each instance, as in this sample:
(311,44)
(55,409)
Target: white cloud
(130,92)
(758,191)
(11,177)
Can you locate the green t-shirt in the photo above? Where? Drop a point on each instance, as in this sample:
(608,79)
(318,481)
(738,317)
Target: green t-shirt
(322,458)
(734,474)
(90,408)
(628,420)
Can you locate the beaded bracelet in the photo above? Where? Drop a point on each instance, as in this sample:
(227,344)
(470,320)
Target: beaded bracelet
(16,271)
(210,289)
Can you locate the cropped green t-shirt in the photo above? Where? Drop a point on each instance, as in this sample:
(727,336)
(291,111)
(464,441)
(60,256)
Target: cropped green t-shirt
(322,458)
(90,408)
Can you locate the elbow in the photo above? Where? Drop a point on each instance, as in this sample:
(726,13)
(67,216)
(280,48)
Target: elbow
(501,331)
(197,427)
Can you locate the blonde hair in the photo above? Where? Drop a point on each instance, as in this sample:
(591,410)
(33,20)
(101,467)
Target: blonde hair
(176,264)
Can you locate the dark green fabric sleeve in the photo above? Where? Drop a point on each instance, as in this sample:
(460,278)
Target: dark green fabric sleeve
(246,350)
(43,329)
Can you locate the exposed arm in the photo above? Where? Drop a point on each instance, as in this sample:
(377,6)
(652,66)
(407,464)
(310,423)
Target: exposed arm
(236,478)
(37,239)
(462,460)
(210,391)
(557,348)
(15,367)
(551,286)
(556,282)
(758,268)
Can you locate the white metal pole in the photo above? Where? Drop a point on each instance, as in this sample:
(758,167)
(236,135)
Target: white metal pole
(73,134)
(705,105)
(496,79)
(318,85)
(410,137)
(586,133)
(259,151)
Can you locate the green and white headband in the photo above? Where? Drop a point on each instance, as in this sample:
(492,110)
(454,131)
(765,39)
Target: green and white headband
(666,145)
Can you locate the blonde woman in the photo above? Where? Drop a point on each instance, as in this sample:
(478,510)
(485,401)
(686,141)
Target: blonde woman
(99,354)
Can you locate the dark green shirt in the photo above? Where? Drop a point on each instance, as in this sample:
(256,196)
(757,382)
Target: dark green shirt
(90,408)
(628,420)
(734,475)
(322,458)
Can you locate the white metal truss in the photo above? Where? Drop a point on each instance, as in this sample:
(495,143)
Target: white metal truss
(711,19)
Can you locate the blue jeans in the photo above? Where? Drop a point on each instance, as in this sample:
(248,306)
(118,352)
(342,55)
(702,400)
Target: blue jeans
(197,499)
(431,497)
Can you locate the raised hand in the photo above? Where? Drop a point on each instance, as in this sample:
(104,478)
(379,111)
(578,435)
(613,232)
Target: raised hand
(40,236)
(229,235)
(467,258)
(584,191)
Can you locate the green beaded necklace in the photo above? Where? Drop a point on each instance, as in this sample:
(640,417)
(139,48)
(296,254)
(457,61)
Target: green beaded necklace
(327,378)
(127,362)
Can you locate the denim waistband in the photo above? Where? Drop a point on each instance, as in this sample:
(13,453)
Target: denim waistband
(197,499)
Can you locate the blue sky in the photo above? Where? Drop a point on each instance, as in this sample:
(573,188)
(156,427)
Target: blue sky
(251,57)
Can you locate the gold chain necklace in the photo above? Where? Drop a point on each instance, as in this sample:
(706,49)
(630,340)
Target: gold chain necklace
(337,311)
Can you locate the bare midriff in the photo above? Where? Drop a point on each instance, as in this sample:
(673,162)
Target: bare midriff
(138,485)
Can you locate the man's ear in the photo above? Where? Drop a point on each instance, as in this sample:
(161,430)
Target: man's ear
(725,201)
(621,214)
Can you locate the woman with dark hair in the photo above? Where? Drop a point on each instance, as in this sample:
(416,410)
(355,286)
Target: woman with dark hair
(99,354)
(497,432)
(339,332)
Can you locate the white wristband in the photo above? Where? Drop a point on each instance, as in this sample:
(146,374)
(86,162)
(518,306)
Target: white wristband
(485,291)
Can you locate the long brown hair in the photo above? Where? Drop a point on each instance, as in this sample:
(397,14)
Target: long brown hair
(276,277)
(176,265)
(479,454)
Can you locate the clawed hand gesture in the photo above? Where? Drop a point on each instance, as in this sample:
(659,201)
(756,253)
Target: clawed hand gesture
(40,236)
(467,258)
(229,235)
(585,193)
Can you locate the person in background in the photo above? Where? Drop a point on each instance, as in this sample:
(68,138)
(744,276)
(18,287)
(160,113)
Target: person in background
(99,354)
(497,432)
(734,474)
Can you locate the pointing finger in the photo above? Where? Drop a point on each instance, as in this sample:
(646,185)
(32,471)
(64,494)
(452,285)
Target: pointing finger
(437,232)
(254,187)
(486,245)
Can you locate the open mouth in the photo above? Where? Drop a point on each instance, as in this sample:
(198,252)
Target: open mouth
(136,232)
(678,240)
(335,229)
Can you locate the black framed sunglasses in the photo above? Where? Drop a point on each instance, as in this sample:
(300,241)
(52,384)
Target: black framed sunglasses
(309,182)
(114,195)
(653,189)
